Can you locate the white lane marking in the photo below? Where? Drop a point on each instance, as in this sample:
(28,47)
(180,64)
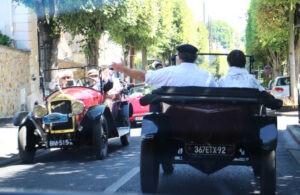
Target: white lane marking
(120,182)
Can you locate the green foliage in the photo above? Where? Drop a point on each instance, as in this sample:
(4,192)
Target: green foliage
(89,19)
(222,34)
(177,26)
(5,40)
(137,24)
(157,25)
(267,31)
(217,65)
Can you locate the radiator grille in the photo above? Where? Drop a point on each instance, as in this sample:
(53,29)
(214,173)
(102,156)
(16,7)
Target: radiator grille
(64,107)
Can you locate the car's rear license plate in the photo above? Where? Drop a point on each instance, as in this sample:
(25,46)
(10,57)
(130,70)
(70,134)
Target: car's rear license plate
(219,150)
(139,118)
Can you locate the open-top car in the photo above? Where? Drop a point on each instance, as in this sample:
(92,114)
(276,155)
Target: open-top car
(209,129)
(134,96)
(71,116)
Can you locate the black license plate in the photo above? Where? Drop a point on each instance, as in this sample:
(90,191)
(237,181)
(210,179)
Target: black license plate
(218,150)
(61,142)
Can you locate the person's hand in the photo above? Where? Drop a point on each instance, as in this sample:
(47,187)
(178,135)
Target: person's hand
(119,66)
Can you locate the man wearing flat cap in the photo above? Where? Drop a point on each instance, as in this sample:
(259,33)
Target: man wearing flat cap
(157,64)
(187,73)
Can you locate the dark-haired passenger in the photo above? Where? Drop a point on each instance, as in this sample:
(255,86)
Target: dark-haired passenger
(237,75)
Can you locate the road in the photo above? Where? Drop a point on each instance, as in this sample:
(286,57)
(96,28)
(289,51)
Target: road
(77,171)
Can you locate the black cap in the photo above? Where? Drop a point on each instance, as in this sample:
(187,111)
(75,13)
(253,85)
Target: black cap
(156,63)
(187,48)
(110,67)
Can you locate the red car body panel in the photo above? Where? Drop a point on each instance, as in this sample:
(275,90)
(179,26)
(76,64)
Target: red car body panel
(88,96)
(134,98)
(138,110)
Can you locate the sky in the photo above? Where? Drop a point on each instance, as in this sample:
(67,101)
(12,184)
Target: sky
(234,12)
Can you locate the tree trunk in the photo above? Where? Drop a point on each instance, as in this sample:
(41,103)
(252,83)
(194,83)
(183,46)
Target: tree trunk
(131,61)
(93,51)
(144,58)
(293,89)
(48,49)
(275,63)
(297,56)
(126,49)
(48,38)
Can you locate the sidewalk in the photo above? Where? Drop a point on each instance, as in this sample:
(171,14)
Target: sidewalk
(295,132)
(8,142)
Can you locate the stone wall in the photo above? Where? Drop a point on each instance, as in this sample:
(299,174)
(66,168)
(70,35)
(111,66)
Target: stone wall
(14,79)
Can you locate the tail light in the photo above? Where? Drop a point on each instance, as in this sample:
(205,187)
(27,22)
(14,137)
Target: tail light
(278,89)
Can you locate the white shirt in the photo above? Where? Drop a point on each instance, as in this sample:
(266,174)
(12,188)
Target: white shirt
(117,86)
(185,74)
(239,77)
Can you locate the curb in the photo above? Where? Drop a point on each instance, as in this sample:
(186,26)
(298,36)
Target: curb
(4,121)
(10,160)
(295,132)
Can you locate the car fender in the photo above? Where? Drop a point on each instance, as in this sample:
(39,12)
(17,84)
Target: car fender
(94,113)
(154,124)
(27,119)
(20,118)
(126,109)
(263,130)
(268,135)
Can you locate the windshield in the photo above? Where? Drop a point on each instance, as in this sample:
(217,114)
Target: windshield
(76,130)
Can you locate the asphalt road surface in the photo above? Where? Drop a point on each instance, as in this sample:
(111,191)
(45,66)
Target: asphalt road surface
(77,171)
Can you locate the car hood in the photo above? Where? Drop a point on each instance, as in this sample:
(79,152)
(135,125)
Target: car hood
(88,96)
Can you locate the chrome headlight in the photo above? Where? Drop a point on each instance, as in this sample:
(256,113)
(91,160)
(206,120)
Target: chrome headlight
(39,111)
(77,107)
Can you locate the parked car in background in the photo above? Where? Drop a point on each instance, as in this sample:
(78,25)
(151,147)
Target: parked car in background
(134,96)
(270,85)
(280,87)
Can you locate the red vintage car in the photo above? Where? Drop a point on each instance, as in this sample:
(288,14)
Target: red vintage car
(134,96)
(72,116)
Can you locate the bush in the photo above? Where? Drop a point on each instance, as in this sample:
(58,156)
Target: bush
(5,40)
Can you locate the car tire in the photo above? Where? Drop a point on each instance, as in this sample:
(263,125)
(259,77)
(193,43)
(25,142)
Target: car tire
(100,138)
(149,167)
(26,144)
(268,173)
(168,168)
(125,139)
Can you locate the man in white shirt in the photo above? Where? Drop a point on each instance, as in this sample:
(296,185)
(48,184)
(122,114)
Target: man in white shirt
(237,75)
(187,73)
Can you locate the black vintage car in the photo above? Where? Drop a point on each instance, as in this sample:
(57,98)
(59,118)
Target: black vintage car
(209,129)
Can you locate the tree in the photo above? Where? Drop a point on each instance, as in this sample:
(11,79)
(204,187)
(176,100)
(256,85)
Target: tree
(49,31)
(222,34)
(89,19)
(267,33)
(136,26)
(275,30)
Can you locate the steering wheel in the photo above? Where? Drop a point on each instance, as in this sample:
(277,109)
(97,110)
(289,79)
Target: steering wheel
(86,82)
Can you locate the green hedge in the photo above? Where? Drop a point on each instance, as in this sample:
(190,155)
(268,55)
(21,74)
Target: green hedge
(5,40)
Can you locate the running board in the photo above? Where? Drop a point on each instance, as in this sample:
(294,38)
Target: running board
(123,130)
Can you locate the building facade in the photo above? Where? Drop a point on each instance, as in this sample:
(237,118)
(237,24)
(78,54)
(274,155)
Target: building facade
(19,69)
